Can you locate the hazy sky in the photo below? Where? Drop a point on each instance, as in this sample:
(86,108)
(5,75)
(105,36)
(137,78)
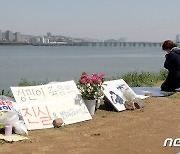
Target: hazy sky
(138,20)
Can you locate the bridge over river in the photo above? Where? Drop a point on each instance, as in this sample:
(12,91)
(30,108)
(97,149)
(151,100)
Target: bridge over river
(121,44)
(102,44)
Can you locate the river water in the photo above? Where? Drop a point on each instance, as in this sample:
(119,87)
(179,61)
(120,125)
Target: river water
(62,63)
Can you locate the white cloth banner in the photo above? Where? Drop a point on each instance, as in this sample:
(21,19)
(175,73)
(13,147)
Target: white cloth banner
(40,105)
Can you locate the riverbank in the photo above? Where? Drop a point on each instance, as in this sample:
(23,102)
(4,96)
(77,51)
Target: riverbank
(137,131)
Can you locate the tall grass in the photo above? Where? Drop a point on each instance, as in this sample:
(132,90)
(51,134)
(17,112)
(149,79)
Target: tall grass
(138,79)
(25,82)
(133,79)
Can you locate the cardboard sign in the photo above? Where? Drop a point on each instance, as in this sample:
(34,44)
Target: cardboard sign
(40,105)
(118,91)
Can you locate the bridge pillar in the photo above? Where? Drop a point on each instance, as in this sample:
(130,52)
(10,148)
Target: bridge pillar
(124,44)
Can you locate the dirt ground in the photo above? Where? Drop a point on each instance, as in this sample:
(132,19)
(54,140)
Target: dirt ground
(132,132)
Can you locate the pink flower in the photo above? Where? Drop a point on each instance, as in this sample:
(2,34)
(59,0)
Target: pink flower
(101,75)
(91,86)
(83,80)
(89,80)
(99,81)
(94,75)
(84,76)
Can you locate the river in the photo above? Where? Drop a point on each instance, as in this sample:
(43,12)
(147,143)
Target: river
(62,63)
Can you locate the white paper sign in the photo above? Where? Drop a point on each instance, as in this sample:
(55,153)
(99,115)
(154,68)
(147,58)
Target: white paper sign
(122,86)
(115,97)
(118,91)
(40,105)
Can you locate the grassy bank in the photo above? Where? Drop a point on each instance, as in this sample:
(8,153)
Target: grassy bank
(133,79)
(138,79)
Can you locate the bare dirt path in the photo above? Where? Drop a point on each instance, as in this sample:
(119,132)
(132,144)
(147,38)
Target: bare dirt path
(139,131)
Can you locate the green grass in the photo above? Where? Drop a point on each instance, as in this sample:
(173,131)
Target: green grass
(133,79)
(137,79)
(25,82)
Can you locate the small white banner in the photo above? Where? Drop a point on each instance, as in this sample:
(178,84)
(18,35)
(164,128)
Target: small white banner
(40,105)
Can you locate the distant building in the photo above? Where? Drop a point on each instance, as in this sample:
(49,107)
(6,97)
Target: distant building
(1,37)
(49,34)
(17,37)
(47,40)
(42,40)
(9,36)
(177,38)
(25,38)
(34,40)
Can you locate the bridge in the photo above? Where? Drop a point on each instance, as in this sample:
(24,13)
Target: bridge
(102,44)
(118,44)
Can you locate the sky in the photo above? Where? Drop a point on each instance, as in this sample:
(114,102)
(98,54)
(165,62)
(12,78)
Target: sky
(137,20)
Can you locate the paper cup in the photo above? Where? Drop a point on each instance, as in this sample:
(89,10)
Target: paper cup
(8,130)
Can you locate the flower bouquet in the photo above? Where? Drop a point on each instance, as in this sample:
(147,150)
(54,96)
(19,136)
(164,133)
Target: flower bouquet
(91,87)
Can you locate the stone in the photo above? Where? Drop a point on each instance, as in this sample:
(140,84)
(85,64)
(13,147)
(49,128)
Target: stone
(129,105)
(138,103)
(57,122)
(148,94)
